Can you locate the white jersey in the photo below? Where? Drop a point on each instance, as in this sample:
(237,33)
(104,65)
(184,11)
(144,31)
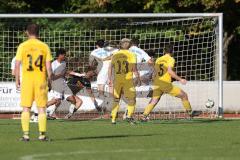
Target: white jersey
(103,65)
(142,59)
(59,86)
(13,67)
(58,68)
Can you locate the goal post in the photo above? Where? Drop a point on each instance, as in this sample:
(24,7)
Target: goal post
(197,39)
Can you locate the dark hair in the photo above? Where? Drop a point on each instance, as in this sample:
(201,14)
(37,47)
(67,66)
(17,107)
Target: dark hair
(168,49)
(100,43)
(151,52)
(60,51)
(33,29)
(135,41)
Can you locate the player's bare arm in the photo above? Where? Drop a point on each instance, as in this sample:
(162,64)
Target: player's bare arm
(17,73)
(137,75)
(110,75)
(77,74)
(49,70)
(175,76)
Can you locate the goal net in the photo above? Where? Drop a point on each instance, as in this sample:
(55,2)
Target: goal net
(196,52)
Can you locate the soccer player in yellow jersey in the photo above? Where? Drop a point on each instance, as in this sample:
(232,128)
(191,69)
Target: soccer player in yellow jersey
(162,83)
(35,57)
(123,65)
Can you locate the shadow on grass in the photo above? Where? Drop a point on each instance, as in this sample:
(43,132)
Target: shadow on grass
(104,137)
(193,121)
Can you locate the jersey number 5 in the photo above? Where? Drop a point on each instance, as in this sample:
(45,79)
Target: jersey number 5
(161,70)
(37,63)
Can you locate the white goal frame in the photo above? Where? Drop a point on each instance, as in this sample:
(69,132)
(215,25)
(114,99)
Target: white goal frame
(149,15)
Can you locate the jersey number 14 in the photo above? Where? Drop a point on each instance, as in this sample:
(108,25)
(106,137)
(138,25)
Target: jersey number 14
(37,63)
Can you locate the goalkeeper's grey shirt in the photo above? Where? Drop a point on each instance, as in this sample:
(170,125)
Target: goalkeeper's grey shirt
(58,68)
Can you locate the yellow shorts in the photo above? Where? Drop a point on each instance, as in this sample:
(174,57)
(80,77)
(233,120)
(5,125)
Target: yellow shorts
(34,90)
(127,88)
(159,88)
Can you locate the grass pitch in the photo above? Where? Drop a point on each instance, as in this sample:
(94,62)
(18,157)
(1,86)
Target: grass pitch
(94,140)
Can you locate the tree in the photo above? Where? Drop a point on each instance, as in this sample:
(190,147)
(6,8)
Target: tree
(230,8)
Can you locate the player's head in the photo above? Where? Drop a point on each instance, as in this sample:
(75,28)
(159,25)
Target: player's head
(151,53)
(135,41)
(32,30)
(100,43)
(125,43)
(60,54)
(168,49)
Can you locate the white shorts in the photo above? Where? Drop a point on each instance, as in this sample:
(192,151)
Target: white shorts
(62,93)
(102,77)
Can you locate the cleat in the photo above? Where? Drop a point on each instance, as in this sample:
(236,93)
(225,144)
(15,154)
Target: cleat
(150,93)
(114,122)
(98,108)
(24,138)
(131,121)
(34,119)
(125,115)
(44,138)
(144,118)
(68,116)
(195,113)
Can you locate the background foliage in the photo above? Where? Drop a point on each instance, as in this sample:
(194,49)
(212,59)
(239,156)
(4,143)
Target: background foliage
(230,8)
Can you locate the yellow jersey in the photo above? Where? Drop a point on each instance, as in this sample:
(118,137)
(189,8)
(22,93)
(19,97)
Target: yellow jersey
(123,62)
(33,55)
(161,68)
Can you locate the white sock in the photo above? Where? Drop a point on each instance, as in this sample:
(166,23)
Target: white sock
(53,108)
(71,108)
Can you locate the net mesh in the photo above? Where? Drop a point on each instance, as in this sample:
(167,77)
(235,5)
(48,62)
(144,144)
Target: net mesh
(195,49)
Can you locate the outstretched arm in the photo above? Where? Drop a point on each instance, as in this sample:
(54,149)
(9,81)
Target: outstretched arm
(175,76)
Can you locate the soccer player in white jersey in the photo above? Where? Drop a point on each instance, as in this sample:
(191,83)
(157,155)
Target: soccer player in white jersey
(60,90)
(102,55)
(144,61)
(34,117)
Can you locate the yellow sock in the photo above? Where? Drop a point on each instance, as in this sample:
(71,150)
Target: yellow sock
(186,105)
(148,109)
(130,109)
(114,111)
(25,118)
(42,122)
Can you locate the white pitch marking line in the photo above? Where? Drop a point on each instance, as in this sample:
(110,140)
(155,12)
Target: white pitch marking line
(37,156)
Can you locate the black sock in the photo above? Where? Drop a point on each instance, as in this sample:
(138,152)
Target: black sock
(75,110)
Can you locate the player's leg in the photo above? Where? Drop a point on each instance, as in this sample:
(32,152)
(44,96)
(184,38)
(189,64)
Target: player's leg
(117,89)
(42,123)
(91,95)
(130,94)
(102,80)
(177,92)
(41,101)
(76,103)
(25,119)
(27,93)
(34,117)
(54,103)
(156,95)
(101,90)
(73,108)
